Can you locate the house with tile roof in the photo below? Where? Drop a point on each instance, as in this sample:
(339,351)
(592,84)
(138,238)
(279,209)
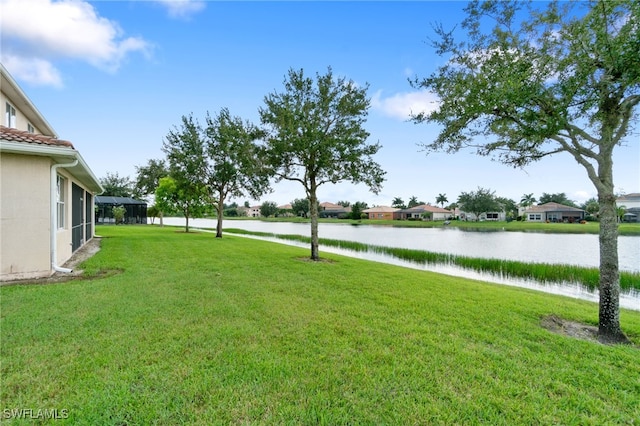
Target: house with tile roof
(47,191)
(425,212)
(331,210)
(554,212)
(382,213)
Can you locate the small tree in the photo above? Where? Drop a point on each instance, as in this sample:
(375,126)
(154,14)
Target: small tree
(508,206)
(234,167)
(147,181)
(116,186)
(148,177)
(560,198)
(356,210)
(268,209)
(180,196)
(118,213)
(620,211)
(316,136)
(591,206)
(478,202)
(300,207)
(153,212)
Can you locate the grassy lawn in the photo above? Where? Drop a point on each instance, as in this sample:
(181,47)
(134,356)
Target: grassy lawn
(238,331)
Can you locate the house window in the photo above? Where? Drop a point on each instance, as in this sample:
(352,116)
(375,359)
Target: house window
(535,217)
(60,197)
(10,117)
(30,128)
(492,216)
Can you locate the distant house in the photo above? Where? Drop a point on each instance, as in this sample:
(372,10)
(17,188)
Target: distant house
(490,216)
(554,212)
(382,213)
(330,210)
(253,211)
(136,210)
(423,211)
(631,203)
(285,210)
(47,191)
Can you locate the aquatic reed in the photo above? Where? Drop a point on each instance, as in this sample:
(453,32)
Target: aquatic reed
(541,272)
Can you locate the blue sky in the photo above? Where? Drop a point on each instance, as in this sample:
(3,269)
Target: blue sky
(113,77)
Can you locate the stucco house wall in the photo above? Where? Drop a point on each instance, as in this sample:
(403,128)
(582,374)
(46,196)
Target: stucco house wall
(382,213)
(24,213)
(33,242)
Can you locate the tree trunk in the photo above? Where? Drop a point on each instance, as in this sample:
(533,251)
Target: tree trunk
(220,209)
(609,330)
(313,209)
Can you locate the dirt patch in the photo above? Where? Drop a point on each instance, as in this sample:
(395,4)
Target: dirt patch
(308,259)
(568,328)
(82,254)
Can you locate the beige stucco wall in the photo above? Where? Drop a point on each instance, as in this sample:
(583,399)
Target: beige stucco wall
(24,216)
(25,246)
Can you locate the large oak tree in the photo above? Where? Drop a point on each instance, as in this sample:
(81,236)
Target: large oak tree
(316,136)
(531,80)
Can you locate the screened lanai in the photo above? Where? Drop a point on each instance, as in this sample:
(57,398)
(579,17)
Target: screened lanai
(136,210)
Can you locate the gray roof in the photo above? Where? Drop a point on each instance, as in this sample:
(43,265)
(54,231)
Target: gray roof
(116,201)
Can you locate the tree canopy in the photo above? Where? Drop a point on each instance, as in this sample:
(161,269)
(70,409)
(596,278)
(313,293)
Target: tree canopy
(316,136)
(479,202)
(234,169)
(529,80)
(116,185)
(148,177)
(185,189)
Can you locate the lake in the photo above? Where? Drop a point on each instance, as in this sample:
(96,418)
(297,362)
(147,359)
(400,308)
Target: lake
(572,249)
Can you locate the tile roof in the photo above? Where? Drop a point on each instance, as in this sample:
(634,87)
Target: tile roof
(425,208)
(550,207)
(381,209)
(15,135)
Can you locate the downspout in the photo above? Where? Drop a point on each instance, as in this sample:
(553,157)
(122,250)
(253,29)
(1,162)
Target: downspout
(54,216)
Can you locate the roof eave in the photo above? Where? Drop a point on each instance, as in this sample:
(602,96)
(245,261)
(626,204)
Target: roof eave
(59,155)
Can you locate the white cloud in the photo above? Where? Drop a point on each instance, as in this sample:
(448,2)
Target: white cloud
(403,105)
(33,70)
(40,31)
(182,8)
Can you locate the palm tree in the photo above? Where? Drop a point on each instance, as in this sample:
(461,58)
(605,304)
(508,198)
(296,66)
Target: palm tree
(441,199)
(527,200)
(397,203)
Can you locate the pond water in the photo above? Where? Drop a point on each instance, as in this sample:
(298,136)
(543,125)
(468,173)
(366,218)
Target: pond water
(575,249)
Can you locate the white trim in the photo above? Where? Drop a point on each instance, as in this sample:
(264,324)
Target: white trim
(57,152)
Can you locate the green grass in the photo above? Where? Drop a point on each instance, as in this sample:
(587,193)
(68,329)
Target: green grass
(198,330)
(541,272)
